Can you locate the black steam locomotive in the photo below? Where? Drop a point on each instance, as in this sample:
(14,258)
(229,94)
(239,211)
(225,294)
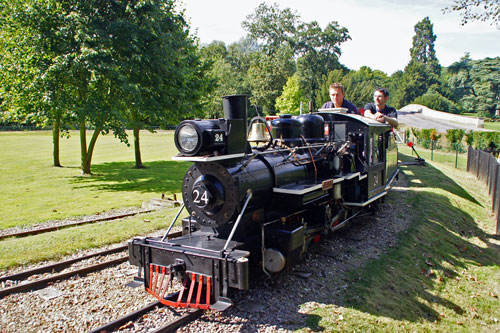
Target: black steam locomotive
(259,209)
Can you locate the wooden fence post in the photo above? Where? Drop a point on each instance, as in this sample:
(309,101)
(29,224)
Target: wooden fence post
(469,158)
(492,175)
(496,199)
(486,167)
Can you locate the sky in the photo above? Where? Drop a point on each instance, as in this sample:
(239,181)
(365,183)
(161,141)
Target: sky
(381,31)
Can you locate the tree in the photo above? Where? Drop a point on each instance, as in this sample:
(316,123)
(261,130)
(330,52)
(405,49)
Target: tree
(107,64)
(292,98)
(228,73)
(460,77)
(434,100)
(423,70)
(272,27)
(316,49)
(35,84)
(486,83)
(477,10)
(160,71)
(454,136)
(476,84)
(267,75)
(422,50)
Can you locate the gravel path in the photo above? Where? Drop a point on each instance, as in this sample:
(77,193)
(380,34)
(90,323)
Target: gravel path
(83,303)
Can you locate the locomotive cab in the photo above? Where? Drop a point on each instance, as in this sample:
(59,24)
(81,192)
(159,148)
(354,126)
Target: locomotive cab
(374,155)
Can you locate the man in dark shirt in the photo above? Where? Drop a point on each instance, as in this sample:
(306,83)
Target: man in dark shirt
(379,110)
(337,93)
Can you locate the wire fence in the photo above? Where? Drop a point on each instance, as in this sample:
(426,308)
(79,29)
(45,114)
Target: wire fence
(452,154)
(485,166)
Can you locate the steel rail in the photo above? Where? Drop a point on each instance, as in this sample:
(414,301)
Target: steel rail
(116,324)
(34,285)
(59,266)
(169,327)
(179,322)
(38,284)
(62,226)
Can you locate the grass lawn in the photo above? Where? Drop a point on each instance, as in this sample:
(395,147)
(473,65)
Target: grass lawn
(443,276)
(33,191)
(492,125)
(440,156)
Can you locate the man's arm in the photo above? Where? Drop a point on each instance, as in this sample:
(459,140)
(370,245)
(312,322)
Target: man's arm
(392,117)
(368,111)
(381,118)
(391,121)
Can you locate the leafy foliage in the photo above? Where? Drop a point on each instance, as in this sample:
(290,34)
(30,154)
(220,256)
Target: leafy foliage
(486,140)
(423,50)
(469,138)
(477,83)
(423,70)
(454,136)
(436,101)
(477,10)
(416,132)
(282,32)
(292,97)
(267,75)
(228,71)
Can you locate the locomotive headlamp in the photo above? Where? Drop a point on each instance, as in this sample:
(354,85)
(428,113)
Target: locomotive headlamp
(200,137)
(187,138)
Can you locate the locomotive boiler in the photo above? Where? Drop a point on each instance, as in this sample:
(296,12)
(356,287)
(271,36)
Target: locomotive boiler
(257,202)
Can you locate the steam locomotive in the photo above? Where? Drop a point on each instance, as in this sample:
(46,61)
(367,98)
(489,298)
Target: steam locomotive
(258,202)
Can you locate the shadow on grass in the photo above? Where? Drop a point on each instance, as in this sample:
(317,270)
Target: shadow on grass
(445,183)
(436,249)
(157,177)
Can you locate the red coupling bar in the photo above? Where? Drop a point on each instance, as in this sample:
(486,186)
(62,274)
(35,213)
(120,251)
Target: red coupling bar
(159,286)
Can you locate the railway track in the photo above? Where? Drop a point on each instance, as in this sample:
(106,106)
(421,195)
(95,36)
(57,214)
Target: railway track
(125,321)
(31,232)
(163,202)
(59,266)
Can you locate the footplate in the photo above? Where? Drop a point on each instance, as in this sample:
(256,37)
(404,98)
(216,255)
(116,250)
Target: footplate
(195,292)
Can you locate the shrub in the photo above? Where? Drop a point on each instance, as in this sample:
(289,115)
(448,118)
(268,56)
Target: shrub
(486,140)
(415,132)
(454,136)
(436,101)
(469,138)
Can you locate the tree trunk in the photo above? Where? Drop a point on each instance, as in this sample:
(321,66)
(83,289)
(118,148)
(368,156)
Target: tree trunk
(83,147)
(86,154)
(137,148)
(55,140)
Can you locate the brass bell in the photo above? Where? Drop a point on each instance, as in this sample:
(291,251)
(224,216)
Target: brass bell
(257,133)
